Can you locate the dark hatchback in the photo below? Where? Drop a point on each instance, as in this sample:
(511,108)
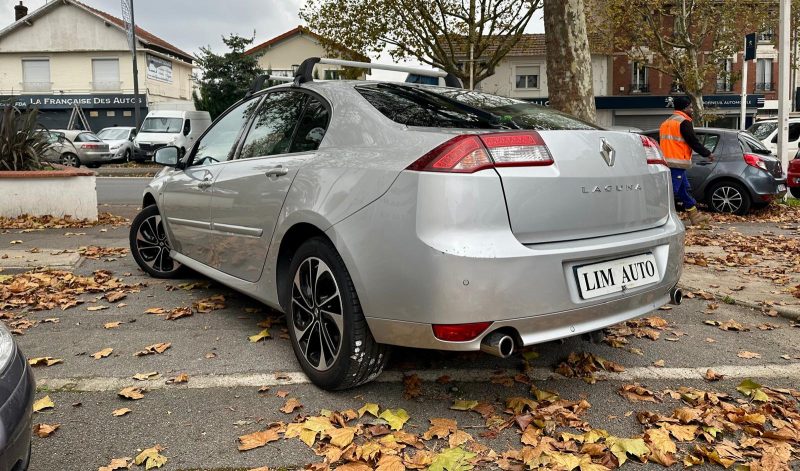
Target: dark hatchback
(743,175)
(17,389)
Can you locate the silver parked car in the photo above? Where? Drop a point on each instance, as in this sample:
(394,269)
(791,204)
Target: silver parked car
(378,214)
(120,142)
(90,150)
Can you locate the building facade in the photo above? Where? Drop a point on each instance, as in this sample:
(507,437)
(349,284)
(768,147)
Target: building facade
(282,54)
(67,55)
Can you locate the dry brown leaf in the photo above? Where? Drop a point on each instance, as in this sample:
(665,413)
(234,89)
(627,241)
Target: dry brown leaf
(116,464)
(112,325)
(102,353)
(96,308)
(120,412)
(45,430)
(291,405)
(636,393)
(45,361)
(132,393)
(748,355)
(155,348)
(712,375)
(178,313)
(412,386)
(181,378)
(156,310)
(146,376)
(258,439)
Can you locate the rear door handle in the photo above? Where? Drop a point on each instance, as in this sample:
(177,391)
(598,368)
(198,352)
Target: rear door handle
(278,171)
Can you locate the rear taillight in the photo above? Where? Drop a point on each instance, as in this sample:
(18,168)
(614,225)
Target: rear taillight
(91,146)
(755,161)
(470,153)
(652,151)
(459,332)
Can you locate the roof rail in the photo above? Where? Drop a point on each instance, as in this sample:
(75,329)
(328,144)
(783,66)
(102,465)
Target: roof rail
(305,72)
(261,80)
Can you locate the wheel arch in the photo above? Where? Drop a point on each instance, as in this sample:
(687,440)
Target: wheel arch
(290,242)
(725,179)
(148,200)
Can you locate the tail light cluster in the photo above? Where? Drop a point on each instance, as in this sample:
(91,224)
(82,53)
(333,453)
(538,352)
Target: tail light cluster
(92,146)
(755,161)
(652,151)
(470,153)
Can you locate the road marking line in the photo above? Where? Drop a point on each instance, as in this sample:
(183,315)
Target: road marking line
(97,384)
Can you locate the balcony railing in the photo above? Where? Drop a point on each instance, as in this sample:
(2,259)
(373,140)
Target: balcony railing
(106,86)
(765,87)
(765,37)
(640,88)
(37,86)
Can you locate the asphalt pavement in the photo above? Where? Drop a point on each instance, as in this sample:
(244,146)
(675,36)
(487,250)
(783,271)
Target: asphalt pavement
(121,190)
(197,422)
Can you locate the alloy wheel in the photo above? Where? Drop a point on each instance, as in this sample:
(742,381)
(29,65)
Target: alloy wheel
(153,246)
(69,160)
(727,199)
(317,313)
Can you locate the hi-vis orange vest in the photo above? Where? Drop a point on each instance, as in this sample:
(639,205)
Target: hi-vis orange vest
(676,151)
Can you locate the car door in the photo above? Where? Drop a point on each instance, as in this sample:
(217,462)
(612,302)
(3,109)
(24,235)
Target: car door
(702,167)
(186,197)
(250,191)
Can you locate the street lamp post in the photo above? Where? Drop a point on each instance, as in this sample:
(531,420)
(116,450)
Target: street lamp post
(783,83)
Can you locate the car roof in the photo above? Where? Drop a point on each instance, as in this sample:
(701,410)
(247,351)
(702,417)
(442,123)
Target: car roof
(118,127)
(70,133)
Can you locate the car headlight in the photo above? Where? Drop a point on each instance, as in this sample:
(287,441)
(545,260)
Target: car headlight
(6,346)
(115,147)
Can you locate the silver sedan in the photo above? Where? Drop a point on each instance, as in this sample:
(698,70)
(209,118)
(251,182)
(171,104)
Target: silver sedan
(377,214)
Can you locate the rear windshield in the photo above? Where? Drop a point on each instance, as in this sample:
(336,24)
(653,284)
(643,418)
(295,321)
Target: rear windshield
(163,125)
(752,144)
(87,137)
(441,107)
(762,130)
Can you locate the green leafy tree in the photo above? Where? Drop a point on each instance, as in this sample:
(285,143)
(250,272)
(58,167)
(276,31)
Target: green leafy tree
(688,40)
(439,33)
(224,79)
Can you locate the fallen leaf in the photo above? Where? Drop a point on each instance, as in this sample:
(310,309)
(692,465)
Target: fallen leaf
(155,348)
(181,378)
(258,439)
(209,304)
(178,313)
(748,355)
(45,430)
(102,353)
(112,325)
(116,464)
(145,376)
(453,459)
(662,448)
(369,407)
(395,418)
(464,405)
(753,390)
(132,393)
(291,405)
(636,393)
(151,458)
(712,375)
(622,447)
(659,363)
(341,437)
(45,361)
(412,386)
(43,403)
(121,412)
(282,394)
(115,296)
(96,308)
(264,334)
(156,310)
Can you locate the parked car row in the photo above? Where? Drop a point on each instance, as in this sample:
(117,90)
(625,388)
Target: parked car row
(125,143)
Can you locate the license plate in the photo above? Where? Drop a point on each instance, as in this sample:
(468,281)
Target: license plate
(616,276)
(781,187)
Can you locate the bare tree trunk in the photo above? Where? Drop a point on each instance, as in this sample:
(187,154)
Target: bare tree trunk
(569,61)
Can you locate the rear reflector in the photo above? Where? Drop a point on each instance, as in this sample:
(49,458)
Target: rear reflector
(653,151)
(459,332)
(470,153)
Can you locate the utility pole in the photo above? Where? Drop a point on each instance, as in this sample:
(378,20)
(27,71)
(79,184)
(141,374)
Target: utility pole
(743,117)
(784,82)
(130,29)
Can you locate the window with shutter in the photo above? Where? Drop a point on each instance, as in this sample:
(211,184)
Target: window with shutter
(105,74)
(36,75)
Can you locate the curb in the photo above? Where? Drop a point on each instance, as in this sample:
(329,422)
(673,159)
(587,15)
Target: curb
(791,313)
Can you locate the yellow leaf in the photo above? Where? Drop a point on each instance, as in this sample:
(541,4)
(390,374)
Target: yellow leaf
(395,418)
(452,459)
(622,447)
(752,389)
(102,353)
(341,437)
(564,461)
(308,437)
(258,439)
(662,448)
(264,334)
(43,403)
(151,458)
(45,430)
(368,407)
(121,412)
(390,463)
(458,438)
(44,361)
(464,405)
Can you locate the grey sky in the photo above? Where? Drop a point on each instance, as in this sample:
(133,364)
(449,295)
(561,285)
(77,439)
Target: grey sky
(190,24)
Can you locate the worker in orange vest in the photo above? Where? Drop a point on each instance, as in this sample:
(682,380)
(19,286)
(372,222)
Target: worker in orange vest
(678,140)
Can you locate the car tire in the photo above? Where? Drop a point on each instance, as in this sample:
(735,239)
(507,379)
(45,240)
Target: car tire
(127,157)
(729,197)
(795,191)
(150,246)
(70,160)
(327,314)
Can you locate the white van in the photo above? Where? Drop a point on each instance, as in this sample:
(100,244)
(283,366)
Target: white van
(170,128)
(767,132)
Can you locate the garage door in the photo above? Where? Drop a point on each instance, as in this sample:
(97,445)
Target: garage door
(642,122)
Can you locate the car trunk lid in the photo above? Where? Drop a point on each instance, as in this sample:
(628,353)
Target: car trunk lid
(599,184)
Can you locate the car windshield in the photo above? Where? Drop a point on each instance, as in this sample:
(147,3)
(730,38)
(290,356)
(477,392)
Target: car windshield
(163,125)
(113,134)
(430,106)
(763,130)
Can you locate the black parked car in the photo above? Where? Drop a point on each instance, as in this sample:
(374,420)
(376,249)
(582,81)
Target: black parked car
(744,174)
(16,401)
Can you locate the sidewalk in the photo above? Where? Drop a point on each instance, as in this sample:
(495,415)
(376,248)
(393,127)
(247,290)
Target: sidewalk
(145,170)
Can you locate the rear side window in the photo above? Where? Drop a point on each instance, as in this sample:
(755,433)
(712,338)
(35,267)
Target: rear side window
(312,127)
(441,107)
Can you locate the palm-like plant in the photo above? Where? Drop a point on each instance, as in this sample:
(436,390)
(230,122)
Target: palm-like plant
(21,141)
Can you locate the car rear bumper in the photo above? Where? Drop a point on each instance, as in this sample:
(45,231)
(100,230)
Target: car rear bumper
(15,414)
(793,180)
(427,269)
(96,157)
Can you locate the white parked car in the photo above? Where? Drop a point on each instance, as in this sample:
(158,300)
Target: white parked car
(120,142)
(171,128)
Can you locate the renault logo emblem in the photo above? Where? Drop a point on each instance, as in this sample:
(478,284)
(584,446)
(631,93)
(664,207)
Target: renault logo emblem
(607,151)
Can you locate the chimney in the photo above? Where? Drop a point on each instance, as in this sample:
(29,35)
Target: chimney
(20,11)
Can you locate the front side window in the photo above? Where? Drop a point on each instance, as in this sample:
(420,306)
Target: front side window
(273,126)
(187,127)
(527,77)
(162,125)
(219,142)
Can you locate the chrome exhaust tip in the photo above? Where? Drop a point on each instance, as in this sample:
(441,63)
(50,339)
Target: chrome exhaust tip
(676,296)
(498,344)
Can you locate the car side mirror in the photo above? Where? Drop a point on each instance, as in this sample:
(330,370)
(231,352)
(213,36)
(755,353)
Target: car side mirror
(167,156)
